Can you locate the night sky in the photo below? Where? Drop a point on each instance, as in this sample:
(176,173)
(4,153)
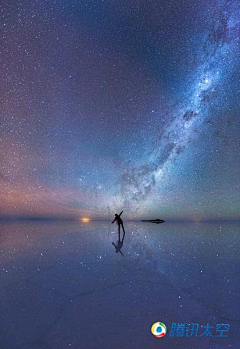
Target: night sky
(120,105)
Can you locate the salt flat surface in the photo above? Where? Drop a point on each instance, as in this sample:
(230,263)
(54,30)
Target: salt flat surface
(64,286)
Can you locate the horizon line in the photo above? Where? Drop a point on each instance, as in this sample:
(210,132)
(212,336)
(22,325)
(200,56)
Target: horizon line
(76,219)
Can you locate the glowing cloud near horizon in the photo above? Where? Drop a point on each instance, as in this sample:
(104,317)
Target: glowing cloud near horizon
(85,219)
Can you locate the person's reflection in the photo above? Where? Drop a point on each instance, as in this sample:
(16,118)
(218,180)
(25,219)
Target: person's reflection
(119,243)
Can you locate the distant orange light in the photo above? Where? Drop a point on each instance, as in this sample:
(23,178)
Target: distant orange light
(85,220)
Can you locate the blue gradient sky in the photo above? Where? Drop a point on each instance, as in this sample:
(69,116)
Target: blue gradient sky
(120,105)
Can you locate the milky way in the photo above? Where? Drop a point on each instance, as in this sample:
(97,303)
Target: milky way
(220,45)
(126,105)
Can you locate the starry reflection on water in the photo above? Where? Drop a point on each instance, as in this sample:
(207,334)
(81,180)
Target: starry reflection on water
(63,285)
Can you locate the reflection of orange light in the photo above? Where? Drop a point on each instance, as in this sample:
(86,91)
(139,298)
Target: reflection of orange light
(85,220)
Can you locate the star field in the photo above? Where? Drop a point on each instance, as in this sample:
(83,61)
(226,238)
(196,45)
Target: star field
(111,105)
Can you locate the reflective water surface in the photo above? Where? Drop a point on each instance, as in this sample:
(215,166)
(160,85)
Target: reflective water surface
(66,285)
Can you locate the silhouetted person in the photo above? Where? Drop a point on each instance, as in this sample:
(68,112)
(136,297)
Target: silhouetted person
(119,222)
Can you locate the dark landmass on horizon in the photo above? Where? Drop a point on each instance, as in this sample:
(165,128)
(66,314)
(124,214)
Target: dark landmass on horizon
(157,221)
